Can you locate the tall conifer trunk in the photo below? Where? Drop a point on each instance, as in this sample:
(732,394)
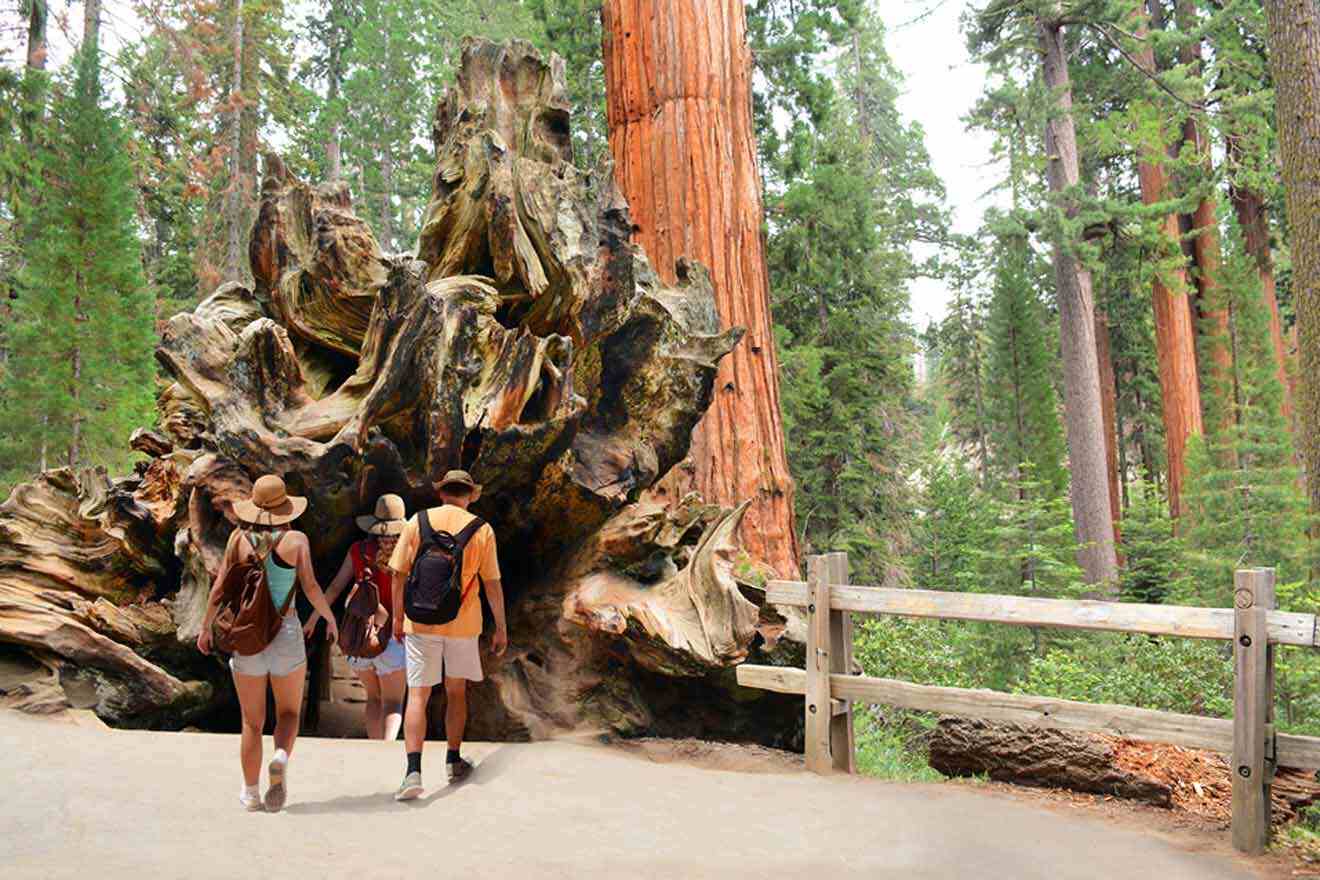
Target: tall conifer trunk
(1294,41)
(1175,334)
(678,89)
(1204,244)
(234,197)
(1081,378)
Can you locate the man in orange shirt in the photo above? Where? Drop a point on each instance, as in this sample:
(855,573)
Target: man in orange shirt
(446,651)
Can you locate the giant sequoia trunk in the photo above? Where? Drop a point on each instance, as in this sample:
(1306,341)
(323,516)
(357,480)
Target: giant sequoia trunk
(1295,63)
(678,86)
(1083,411)
(1175,333)
(528,342)
(1203,245)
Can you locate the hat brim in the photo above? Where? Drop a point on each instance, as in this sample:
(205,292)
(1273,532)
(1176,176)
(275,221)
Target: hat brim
(474,489)
(373,526)
(292,508)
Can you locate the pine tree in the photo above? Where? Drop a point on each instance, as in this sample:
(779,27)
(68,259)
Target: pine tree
(1022,406)
(1244,504)
(80,371)
(840,260)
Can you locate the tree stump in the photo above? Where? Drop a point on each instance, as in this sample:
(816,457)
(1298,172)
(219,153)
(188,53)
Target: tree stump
(527,341)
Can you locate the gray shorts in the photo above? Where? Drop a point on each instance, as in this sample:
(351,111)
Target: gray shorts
(432,658)
(283,656)
(389,661)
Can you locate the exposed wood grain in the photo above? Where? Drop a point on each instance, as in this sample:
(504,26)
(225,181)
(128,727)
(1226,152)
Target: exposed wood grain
(818,708)
(842,743)
(1250,819)
(1283,627)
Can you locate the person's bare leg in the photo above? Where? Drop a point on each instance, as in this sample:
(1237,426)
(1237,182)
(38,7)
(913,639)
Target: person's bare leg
(288,690)
(455,711)
(373,709)
(251,691)
(414,738)
(392,686)
(414,722)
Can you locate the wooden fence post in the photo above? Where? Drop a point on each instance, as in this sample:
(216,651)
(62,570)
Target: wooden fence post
(842,746)
(818,705)
(1253,595)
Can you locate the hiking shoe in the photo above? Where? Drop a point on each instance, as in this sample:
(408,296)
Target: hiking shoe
(458,770)
(251,802)
(276,794)
(410,789)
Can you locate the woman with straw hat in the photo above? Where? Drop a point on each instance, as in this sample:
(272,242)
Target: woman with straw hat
(382,675)
(287,556)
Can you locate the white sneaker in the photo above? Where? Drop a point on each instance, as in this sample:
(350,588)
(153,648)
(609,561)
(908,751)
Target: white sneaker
(276,794)
(251,801)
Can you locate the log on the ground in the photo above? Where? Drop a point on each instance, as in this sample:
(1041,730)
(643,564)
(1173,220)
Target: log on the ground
(528,342)
(1038,757)
(1193,780)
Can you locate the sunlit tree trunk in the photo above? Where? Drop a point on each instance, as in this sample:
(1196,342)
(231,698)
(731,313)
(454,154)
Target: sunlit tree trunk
(1175,333)
(234,197)
(678,88)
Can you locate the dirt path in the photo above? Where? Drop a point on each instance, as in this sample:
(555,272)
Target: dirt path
(82,802)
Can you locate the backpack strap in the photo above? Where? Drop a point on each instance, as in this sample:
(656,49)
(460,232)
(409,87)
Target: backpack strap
(424,523)
(469,531)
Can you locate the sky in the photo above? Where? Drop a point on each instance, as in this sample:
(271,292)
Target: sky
(941,86)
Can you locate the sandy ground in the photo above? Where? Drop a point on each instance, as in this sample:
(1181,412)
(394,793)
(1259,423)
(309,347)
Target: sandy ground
(81,802)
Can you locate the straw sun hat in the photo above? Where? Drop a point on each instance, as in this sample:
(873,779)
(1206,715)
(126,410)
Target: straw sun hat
(388,518)
(270,504)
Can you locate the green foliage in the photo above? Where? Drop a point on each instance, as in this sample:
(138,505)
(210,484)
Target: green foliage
(1155,561)
(80,371)
(1023,408)
(1173,675)
(1244,505)
(861,192)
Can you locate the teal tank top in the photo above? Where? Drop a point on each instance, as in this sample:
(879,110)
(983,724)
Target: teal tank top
(280,580)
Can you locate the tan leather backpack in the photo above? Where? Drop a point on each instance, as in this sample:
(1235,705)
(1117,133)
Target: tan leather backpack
(247,619)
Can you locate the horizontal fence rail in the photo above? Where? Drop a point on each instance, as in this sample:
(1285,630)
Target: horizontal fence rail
(1127,722)
(1253,626)
(1284,627)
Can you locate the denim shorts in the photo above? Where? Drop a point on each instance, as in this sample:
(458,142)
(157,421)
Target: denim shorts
(283,656)
(386,662)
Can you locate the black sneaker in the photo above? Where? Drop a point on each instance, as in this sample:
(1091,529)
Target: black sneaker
(458,770)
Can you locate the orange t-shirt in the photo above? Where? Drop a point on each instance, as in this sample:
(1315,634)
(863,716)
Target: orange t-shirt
(479,558)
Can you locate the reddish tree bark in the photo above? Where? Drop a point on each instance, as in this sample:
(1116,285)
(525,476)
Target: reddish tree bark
(1253,219)
(1204,244)
(1175,335)
(678,88)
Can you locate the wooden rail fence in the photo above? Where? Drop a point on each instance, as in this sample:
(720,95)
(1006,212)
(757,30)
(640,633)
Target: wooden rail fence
(1253,625)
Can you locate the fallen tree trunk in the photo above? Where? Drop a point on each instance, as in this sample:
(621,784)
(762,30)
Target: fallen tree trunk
(1164,775)
(1038,757)
(529,342)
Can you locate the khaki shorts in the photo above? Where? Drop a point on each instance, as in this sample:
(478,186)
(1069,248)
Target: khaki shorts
(433,658)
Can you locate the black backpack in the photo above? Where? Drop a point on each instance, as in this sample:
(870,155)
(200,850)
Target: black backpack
(434,590)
